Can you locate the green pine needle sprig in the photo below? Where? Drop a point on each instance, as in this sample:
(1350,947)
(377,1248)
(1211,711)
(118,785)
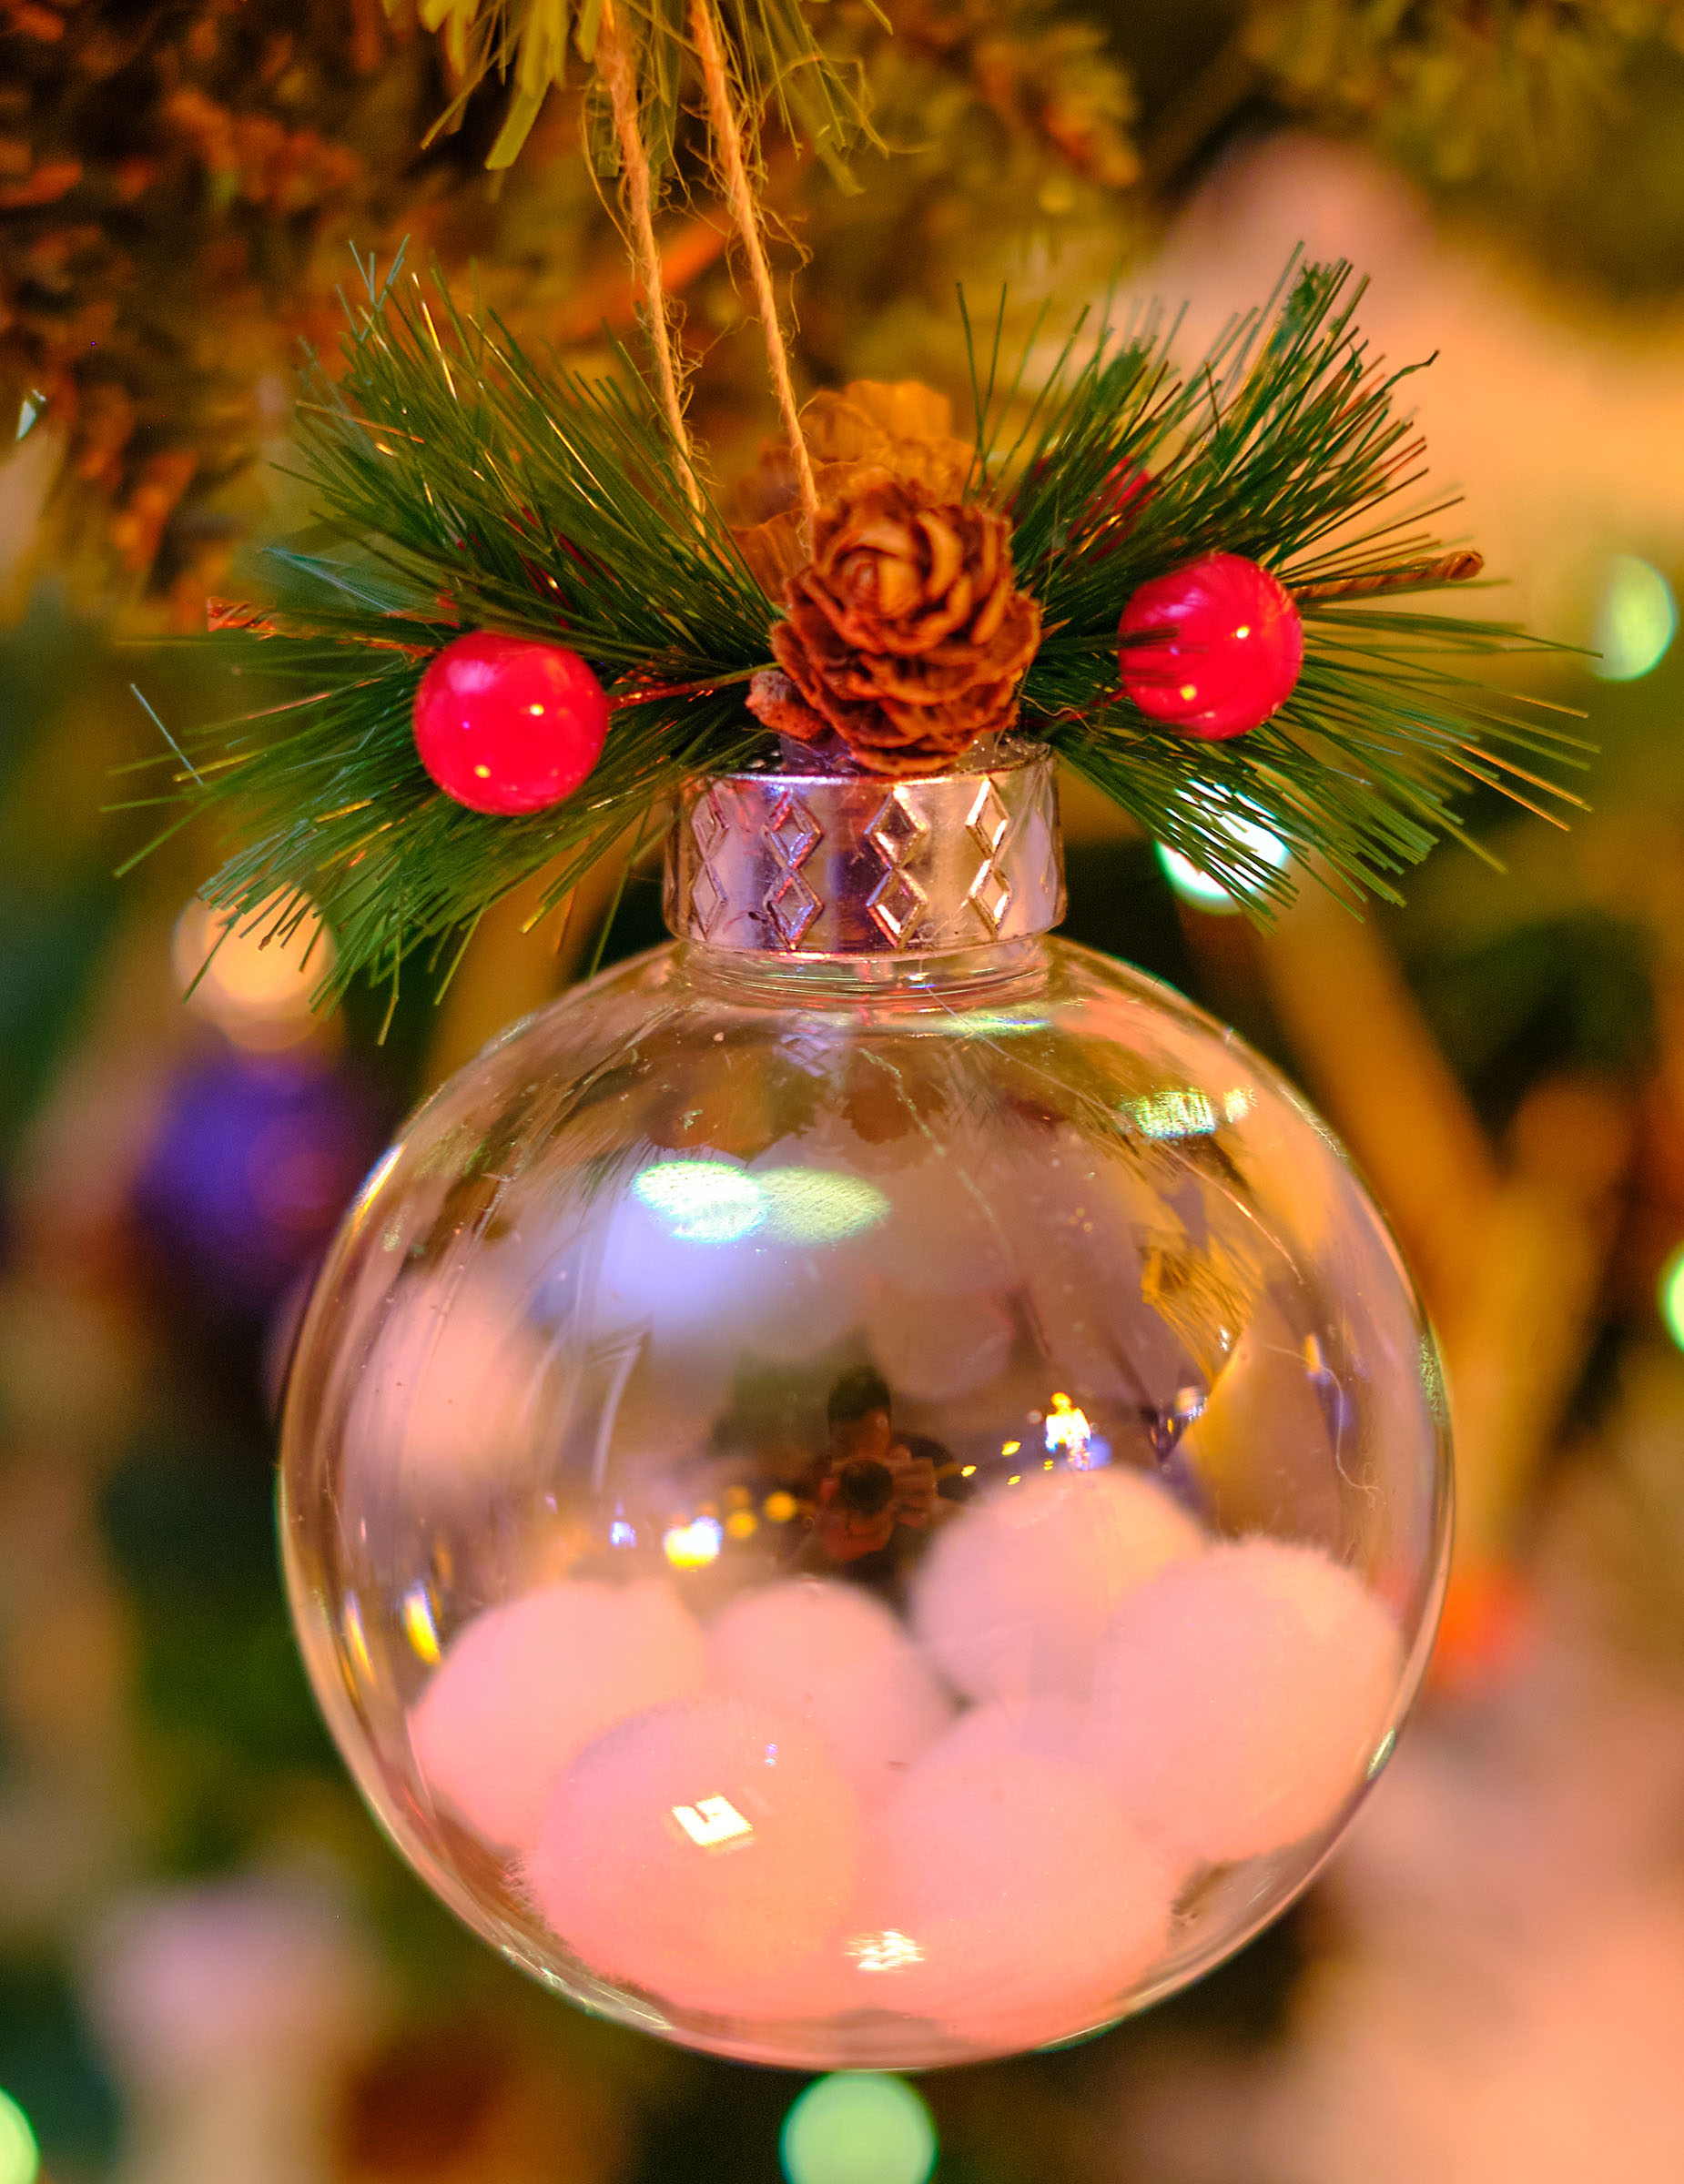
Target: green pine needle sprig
(462,488)
(1287,446)
(462,484)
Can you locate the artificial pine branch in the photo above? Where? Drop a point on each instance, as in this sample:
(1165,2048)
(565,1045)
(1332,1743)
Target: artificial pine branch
(1286,446)
(462,485)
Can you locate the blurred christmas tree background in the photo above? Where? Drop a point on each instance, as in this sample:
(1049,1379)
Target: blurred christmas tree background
(212,1971)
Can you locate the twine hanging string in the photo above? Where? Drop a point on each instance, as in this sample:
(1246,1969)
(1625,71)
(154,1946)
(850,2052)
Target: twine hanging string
(745,217)
(615,59)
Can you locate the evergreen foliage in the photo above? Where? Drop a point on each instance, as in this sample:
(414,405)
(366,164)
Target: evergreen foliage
(1288,446)
(462,485)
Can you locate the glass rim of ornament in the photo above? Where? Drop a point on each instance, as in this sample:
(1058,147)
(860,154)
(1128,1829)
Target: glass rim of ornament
(870,883)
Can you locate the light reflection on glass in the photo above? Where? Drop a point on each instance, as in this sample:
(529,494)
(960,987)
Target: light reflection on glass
(702,1201)
(356,1640)
(712,1202)
(1178,1112)
(694,1545)
(998,1023)
(713,1821)
(418,1627)
(884,1952)
(1067,1427)
(812,1206)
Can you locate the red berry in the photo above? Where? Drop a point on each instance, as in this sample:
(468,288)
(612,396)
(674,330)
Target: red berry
(1213,648)
(507,724)
(1121,494)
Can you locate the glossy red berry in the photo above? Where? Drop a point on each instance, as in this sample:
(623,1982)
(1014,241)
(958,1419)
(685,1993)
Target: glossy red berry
(509,724)
(1114,509)
(1212,649)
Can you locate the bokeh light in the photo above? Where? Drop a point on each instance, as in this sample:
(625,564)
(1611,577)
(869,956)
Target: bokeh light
(254,988)
(1636,620)
(1208,894)
(1670,1295)
(20,2158)
(858,2128)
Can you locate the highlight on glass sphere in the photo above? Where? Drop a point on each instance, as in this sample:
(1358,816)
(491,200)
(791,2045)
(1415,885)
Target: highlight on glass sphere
(865,1524)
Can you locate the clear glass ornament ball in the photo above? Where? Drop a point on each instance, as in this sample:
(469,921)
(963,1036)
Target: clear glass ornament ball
(865,1514)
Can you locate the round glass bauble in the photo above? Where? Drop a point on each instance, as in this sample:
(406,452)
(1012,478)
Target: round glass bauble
(863,1513)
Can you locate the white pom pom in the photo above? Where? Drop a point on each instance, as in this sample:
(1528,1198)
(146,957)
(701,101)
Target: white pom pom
(935,1349)
(705,1852)
(1031,1902)
(527,1685)
(1015,1596)
(993,1733)
(831,1657)
(1240,1698)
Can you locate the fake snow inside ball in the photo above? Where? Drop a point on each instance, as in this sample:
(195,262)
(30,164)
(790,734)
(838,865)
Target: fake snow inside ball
(1051,1728)
(1015,1596)
(527,1685)
(934,1348)
(833,1658)
(1239,1699)
(1033,1901)
(705,1852)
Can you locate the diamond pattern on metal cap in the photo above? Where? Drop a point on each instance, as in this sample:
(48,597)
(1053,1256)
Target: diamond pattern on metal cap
(710,828)
(792,833)
(989,824)
(831,866)
(897,832)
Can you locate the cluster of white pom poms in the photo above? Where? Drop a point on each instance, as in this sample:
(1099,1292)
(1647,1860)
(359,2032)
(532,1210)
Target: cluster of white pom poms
(784,1815)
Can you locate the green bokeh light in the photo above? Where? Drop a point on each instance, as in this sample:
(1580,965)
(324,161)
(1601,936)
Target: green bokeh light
(20,2160)
(1636,622)
(1670,1295)
(858,2128)
(1208,894)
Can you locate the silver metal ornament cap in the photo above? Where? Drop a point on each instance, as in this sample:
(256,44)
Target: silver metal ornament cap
(817,865)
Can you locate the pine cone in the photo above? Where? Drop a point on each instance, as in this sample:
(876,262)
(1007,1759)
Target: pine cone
(905,635)
(900,427)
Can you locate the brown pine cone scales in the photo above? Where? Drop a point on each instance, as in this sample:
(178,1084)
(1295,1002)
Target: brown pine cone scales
(905,636)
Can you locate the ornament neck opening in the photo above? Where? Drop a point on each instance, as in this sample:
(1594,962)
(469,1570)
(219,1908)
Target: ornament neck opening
(941,877)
